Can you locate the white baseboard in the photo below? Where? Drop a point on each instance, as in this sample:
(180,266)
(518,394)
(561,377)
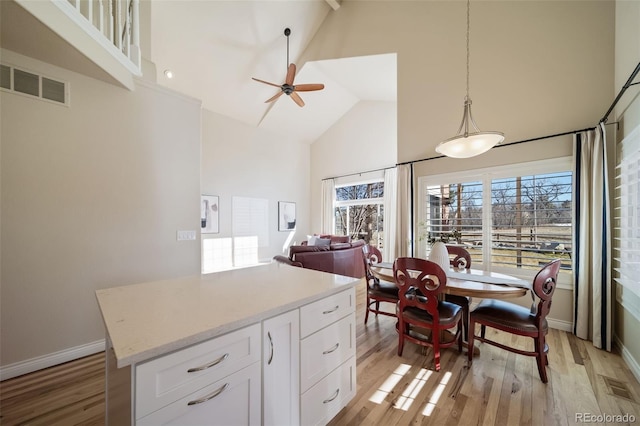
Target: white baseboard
(560,325)
(628,359)
(49,360)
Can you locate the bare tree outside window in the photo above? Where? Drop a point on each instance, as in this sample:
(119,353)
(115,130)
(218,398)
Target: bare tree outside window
(360,211)
(531,219)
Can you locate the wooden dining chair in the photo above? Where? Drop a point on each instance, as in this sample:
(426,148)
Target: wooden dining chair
(377,290)
(459,258)
(420,283)
(516,319)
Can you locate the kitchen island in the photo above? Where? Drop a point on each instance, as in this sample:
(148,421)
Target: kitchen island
(271,344)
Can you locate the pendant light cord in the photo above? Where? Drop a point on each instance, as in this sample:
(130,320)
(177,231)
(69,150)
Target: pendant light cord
(468,25)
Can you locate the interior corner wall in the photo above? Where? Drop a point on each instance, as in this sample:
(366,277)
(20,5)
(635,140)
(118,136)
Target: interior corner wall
(363,139)
(627,114)
(92,196)
(246,161)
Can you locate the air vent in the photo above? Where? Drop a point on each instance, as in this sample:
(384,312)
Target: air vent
(29,83)
(5,77)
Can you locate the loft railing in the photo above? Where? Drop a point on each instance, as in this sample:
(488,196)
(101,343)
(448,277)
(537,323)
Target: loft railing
(117,20)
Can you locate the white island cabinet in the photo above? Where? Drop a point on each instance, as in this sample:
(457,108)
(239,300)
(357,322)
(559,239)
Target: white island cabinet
(268,345)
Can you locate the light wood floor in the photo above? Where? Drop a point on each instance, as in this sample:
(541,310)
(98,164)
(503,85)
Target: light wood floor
(500,388)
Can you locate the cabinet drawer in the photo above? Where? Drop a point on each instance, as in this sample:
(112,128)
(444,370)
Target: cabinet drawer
(325,350)
(171,377)
(317,315)
(234,400)
(325,399)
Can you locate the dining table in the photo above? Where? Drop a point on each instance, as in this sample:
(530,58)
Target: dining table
(470,283)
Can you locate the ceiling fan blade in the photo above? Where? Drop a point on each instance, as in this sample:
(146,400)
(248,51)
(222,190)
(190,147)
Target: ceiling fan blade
(297,99)
(291,73)
(274,97)
(307,87)
(265,82)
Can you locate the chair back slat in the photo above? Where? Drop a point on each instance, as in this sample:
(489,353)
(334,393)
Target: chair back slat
(419,282)
(461,258)
(544,285)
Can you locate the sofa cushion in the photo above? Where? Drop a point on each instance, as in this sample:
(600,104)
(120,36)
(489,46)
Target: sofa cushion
(340,246)
(305,249)
(323,241)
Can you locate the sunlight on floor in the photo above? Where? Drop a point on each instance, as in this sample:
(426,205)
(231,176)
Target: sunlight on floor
(412,390)
(435,396)
(388,385)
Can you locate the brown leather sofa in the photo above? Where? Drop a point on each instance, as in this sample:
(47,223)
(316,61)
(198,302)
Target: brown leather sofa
(342,258)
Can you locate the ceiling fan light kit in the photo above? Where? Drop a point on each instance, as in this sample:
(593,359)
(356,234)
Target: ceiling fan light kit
(469,144)
(288,88)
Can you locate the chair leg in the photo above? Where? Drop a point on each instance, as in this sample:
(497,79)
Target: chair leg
(482,330)
(435,341)
(465,319)
(366,312)
(541,358)
(470,336)
(401,331)
(377,307)
(460,329)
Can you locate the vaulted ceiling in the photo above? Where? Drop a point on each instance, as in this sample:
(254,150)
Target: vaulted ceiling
(214,48)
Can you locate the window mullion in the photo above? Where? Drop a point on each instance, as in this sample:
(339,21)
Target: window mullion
(487,221)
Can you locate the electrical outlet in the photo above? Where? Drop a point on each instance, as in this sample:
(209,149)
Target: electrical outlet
(186,235)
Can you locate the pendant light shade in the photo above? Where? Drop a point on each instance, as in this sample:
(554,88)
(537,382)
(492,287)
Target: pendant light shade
(469,144)
(469,141)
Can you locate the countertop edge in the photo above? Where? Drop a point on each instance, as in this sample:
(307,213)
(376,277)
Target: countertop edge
(124,361)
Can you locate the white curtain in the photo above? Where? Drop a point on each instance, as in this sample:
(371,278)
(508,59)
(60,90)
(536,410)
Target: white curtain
(592,240)
(327,211)
(390,215)
(403,211)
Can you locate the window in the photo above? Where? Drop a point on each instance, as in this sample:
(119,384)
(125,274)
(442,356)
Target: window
(359,212)
(510,219)
(627,214)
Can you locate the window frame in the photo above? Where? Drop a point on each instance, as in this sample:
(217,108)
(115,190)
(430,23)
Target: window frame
(486,176)
(358,202)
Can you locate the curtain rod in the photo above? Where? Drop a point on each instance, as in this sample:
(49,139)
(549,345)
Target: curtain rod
(360,173)
(624,88)
(573,132)
(602,120)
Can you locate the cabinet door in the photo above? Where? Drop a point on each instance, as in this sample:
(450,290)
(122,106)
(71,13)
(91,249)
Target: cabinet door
(233,400)
(281,369)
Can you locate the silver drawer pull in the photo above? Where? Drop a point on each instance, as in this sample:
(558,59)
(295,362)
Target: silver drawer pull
(331,310)
(326,401)
(271,343)
(332,349)
(211,364)
(210,396)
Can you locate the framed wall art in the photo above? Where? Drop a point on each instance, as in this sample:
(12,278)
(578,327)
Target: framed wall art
(209,209)
(286,216)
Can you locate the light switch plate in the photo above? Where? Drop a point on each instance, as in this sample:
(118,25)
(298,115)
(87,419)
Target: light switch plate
(186,235)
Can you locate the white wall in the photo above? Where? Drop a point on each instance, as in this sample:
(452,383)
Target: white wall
(241,160)
(92,197)
(363,139)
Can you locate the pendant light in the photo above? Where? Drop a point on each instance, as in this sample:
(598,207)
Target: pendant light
(470,141)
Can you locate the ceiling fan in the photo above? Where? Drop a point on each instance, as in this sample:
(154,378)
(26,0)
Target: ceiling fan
(288,87)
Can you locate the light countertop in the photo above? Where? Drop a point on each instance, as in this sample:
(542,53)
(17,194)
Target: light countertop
(153,318)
